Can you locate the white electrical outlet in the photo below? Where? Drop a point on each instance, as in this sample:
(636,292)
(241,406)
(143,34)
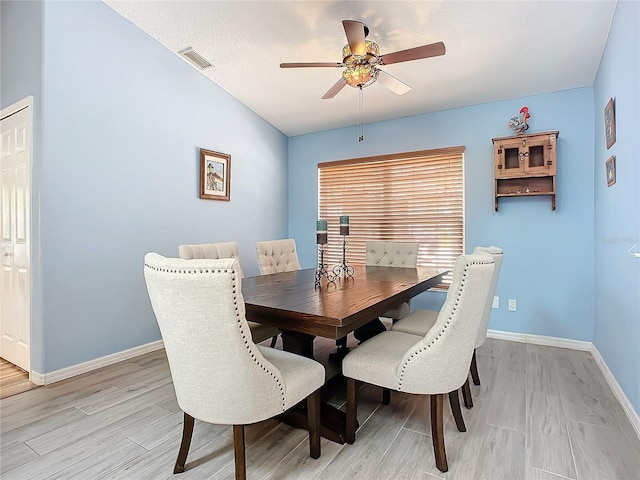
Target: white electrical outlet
(512,304)
(496,302)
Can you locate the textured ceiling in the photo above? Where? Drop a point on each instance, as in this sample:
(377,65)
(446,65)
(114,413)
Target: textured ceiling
(495,51)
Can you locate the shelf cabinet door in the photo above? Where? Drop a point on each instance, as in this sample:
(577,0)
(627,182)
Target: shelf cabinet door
(540,155)
(509,159)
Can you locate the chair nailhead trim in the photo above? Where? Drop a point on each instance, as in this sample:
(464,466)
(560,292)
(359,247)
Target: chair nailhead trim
(172,270)
(248,347)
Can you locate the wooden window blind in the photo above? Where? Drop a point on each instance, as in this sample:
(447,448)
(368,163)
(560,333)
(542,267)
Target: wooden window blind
(405,197)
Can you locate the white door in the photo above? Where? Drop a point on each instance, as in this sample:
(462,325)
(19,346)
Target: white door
(15,194)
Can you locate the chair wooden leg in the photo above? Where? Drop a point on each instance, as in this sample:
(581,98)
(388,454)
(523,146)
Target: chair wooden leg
(454,401)
(474,369)
(437,432)
(187,432)
(386,396)
(313,418)
(352,411)
(274,339)
(238,451)
(466,394)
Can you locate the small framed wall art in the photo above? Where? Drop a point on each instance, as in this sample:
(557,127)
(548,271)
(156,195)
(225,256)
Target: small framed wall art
(611,170)
(215,175)
(610,123)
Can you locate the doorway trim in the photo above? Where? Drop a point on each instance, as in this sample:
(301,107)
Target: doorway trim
(27,103)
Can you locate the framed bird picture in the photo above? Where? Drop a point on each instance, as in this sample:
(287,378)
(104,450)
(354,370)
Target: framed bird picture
(215,175)
(610,123)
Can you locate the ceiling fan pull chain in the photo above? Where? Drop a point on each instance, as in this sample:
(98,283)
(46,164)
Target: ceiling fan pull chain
(361,119)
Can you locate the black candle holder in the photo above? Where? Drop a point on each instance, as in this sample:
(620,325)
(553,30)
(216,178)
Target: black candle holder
(322,271)
(344,269)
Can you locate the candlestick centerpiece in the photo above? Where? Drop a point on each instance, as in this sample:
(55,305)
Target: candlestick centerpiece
(344,269)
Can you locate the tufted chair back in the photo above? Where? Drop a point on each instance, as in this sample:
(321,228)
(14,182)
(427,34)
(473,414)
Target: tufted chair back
(392,254)
(439,362)
(277,256)
(259,331)
(212,251)
(219,374)
(497,258)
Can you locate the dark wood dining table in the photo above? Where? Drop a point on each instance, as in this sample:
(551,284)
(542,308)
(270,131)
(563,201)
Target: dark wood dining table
(292,302)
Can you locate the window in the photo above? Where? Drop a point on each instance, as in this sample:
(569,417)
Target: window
(411,197)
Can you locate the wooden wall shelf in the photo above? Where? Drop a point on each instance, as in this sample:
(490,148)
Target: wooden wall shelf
(525,166)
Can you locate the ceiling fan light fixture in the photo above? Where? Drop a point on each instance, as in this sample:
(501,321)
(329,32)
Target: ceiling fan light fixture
(360,75)
(361,58)
(360,70)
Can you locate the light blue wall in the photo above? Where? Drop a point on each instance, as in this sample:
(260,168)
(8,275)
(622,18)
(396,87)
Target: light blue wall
(617,208)
(20,77)
(548,265)
(20,50)
(122,123)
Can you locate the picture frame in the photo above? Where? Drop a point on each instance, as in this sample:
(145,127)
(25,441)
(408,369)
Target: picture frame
(611,170)
(610,123)
(215,175)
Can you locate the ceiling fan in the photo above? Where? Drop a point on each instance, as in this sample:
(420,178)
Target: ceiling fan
(361,58)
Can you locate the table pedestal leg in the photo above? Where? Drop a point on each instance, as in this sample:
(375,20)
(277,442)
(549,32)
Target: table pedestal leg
(332,419)
(300,343)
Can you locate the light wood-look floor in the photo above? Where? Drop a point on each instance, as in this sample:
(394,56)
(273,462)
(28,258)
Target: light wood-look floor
(541,413)
(13,380)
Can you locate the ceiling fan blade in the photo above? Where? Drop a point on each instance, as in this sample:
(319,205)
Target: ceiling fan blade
(312,64)
(355,36)
(335,89)
(392,83)
(425,51)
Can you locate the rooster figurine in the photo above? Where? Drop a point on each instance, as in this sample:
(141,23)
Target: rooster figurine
(520,126)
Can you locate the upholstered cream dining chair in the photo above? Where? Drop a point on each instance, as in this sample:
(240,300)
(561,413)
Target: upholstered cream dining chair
(277,256)
(386,254)
(219,374)
(393,254)
(421,321)
(434,364)
(259,331)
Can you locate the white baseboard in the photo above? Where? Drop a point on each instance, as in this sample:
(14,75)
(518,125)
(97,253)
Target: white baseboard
(632,415)
(68,372)
(540,340)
